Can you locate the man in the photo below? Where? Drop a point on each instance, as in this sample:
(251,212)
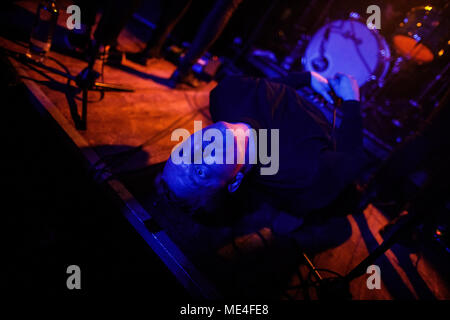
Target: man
(314,166)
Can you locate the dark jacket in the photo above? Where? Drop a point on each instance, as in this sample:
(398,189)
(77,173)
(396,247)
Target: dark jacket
(311,172)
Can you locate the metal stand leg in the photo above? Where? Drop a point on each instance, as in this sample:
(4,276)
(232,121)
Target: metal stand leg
(361,268)
(83,124)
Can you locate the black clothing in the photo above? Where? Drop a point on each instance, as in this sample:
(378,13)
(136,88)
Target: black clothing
(210,29)
(172,12)
(208,32)
(426,150)
(114,18)
(311,173)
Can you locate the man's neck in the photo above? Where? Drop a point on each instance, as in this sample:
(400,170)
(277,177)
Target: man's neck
(243,132)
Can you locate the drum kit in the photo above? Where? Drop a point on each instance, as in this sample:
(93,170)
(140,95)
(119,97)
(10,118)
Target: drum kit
(388,72)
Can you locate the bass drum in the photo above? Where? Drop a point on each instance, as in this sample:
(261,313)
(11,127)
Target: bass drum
(350,47)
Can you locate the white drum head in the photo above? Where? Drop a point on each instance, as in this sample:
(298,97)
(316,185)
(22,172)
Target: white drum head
(347,46)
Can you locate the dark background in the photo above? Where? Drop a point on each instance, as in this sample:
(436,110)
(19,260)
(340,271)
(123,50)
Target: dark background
(55,216)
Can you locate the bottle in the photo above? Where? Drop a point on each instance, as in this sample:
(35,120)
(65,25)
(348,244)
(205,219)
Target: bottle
(42,31)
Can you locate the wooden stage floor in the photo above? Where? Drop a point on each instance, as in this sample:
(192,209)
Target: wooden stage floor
(210,262)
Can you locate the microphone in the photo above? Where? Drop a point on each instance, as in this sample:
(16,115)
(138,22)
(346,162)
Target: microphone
(320,64)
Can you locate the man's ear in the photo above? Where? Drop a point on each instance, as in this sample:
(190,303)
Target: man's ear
(234,185)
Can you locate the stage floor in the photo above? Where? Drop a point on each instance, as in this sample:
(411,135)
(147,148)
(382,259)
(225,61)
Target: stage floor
(209,261)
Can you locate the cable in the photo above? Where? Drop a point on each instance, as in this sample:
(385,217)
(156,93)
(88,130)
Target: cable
(333,128)
(309,283)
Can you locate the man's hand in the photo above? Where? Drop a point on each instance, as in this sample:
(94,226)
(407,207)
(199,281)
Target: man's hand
(321,86)
(345,87)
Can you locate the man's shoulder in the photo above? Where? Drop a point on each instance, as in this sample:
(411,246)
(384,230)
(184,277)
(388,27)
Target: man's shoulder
(238,79)
(246,83)
(235,85)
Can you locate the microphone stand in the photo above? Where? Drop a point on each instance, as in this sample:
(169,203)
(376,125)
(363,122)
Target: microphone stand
(86,80)
(338,287)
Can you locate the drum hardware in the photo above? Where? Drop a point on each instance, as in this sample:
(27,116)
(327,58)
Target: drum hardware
(423,34)
(396,67)
(325,13)
(320,64)
(376,93)
(400,65)
(296,53)
(393,102)
(341,41)
(441,90)
(351,36)
(422,23)
(419,101)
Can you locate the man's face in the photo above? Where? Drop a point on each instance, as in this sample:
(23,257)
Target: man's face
(190,181)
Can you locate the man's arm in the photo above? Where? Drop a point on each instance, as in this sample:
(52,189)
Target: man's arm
(341,167)
(349,136)
(317,82)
